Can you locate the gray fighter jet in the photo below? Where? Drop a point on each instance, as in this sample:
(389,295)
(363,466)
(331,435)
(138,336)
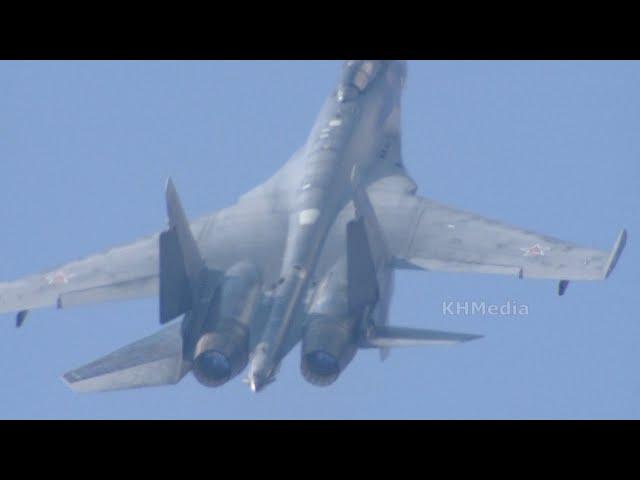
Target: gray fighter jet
(309,256)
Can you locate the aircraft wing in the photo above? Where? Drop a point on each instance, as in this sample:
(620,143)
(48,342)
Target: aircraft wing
(421,234)
(123,272)
(436,237)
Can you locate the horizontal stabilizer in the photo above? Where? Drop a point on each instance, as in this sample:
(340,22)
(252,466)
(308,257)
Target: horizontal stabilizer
(394,337)
(152,361)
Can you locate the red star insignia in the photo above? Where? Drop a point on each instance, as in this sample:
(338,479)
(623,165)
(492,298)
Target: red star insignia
(536,250)
(58,278)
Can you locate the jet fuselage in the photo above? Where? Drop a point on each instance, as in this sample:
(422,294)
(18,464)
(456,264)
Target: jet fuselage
(341,149)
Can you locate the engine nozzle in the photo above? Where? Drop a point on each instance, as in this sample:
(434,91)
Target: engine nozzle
(327,348)
(219,356)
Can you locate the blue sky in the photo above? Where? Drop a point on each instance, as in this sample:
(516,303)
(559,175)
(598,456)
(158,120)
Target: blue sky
(86,147)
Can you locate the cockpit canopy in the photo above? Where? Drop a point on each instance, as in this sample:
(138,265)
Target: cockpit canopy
(356,77)
(361,72)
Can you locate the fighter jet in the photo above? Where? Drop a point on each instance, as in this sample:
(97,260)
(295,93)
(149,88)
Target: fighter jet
(307,257)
